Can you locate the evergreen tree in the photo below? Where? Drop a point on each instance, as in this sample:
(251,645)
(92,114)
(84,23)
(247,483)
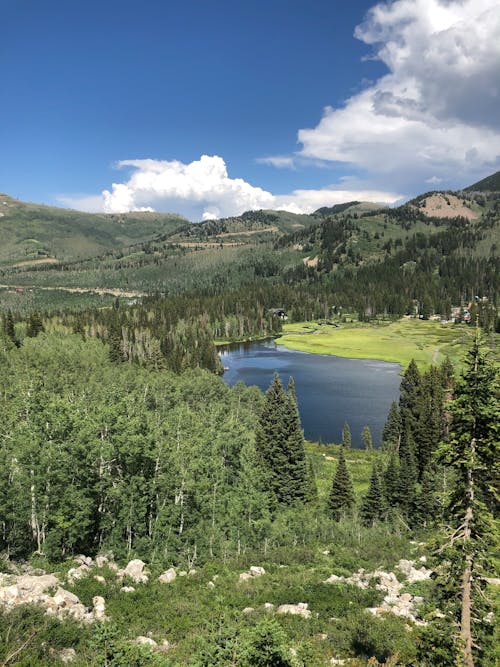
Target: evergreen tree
(391,481)
(428,430)
(8,327)
(279,441)
(472,454)
(341,499)
(366,437)
(408,474)
(372,508)
(34,325)
(346,436)
(409,394)
(391,433)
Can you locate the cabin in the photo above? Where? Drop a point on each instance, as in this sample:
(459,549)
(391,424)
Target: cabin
(279,312)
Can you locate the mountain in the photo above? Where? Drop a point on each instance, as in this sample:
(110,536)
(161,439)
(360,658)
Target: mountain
(488,184)
(38,234)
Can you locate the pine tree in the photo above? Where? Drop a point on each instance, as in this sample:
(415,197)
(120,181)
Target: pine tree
(391,433)
(279,441)
(366,437)
(408,474)
(372,508)
(409,394)
(346,436)
(8,327)
(472,453)
(34,326)
(391,481)
(341,499)
(428,430)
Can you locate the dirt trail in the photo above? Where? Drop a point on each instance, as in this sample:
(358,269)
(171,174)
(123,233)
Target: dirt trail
(80,290)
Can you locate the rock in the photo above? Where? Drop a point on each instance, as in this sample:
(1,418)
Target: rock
(326,552)
(211,584)
(299,609)
(256,571)
(135,570)
(244,576)
(113,566)
(99,607)
(65,655)
(127,589)
(83,560)
(268,606)
(101,561)
(63,598)
(100,579)
(248,610)
(333,579)
(337,661)
(80,572)
(165,646)
(168,576)
(27,583)
(182,573)
(192,573)
(145,641)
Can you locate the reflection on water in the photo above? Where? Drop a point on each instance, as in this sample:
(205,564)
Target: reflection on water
(330,390)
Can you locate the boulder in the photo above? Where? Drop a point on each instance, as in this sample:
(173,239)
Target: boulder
(299,609)
(248,610)
(135,570)
(99,608)
(101,561)
(268,606)
(256,571)
(100,579)
(145,641)
(127,589)
(168,576)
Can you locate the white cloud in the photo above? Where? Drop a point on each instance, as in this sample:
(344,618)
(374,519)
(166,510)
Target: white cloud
(203,190)
(278,161)
(436,112)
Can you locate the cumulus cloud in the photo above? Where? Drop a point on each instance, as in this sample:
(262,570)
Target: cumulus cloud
(435,114)
(203,190)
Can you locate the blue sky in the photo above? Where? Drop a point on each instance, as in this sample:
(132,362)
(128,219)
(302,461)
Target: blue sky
(293,104)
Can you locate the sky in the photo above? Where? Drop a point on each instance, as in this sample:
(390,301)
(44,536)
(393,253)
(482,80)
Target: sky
(210,108)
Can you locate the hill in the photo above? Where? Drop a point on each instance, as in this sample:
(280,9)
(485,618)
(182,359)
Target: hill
(488,184)
(37,234)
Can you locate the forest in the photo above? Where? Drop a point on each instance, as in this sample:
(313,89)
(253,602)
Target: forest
(123,447)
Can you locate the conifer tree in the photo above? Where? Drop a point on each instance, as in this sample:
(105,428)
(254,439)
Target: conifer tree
(366,437)
(408,474)
(372,508)
(409,394)
(391,433)
(34,326)
(8,327)
(279,442)
(346,436)
(341,499)
(391,481)
(472,453)
(428,430)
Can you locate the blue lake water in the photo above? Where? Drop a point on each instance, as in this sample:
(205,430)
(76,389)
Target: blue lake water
(330,390)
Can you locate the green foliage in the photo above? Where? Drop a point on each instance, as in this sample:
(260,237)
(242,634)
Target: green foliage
(279,442)
(265,646)
(366,437)
(346,436)
(341,499)
(373,507)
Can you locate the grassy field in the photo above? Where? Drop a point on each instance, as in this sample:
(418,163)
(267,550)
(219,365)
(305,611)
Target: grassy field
(401,341)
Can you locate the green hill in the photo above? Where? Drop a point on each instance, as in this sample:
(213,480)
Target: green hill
(488,184)
(34,233)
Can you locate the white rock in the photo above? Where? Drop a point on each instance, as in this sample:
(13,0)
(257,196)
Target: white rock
(268,606)
(135,570)
(182,573)
(168,576)
(146,641)
(248,610)
(256,571)
(245,576)
(299,609)
(211,584)
(63,598)
(127,589)
(83,560)
(191,573)
(101,561)
(99,607)
(100,579)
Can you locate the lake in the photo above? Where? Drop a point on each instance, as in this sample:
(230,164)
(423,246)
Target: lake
(330,390)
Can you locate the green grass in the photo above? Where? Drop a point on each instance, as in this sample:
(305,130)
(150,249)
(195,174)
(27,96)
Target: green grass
(399,342)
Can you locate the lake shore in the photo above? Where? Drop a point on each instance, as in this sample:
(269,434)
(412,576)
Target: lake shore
(425,341)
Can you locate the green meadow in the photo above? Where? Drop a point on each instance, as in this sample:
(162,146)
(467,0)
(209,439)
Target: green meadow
(425,341)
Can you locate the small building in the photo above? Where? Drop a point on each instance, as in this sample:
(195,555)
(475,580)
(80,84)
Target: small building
(279,312)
